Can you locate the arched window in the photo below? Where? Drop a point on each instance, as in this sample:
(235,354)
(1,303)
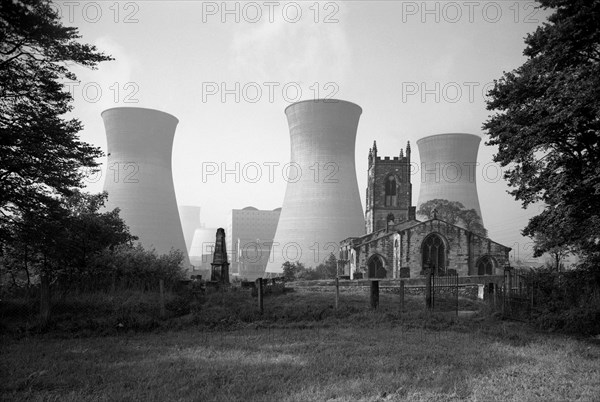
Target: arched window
(485,265)
(433,251)
(391,197)
(376,267)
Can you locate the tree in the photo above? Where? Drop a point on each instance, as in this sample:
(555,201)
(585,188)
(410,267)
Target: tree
(89,231)
(448,211)
(292,270)
(329,269)
(455,213)
(547,126)
(472,221)
(42,156)
(61,245)
(544,245)
(289,271)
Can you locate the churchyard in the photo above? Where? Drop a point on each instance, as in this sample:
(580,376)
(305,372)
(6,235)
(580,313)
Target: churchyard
(299,349)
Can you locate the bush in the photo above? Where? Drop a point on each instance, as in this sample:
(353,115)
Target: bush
(567,301)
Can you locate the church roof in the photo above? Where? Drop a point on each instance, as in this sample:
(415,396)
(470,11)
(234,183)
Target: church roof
(460,227)
(385,232)
(406,225)
(403,226)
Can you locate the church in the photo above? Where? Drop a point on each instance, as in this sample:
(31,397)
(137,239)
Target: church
(397,245)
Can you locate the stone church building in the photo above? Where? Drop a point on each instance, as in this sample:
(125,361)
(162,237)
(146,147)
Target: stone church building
(397,245)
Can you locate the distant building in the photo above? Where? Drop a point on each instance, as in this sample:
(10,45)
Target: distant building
(399,246)
(249,237)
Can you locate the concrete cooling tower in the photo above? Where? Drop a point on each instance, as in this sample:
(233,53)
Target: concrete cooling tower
(322,203)
(190,221)
(138,177)
(201,251)
(447,169)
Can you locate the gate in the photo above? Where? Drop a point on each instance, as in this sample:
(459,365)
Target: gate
(441,292)
(517,294)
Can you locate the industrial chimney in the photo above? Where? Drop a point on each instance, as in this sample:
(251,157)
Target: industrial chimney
(138,176)
(322,203)
(448,163)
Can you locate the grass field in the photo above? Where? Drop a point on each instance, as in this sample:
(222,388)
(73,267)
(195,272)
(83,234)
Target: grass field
(357,355)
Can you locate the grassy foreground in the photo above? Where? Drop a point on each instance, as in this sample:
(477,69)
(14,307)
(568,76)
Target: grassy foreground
(367,355)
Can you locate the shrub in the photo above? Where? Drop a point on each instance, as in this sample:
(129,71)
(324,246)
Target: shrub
(567,301)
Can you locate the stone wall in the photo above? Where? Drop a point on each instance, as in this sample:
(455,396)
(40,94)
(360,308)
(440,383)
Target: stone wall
(455,239)
(402,251)
(467,290)
(482,246)
(463,249)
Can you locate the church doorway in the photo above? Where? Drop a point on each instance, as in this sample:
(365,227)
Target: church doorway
(433,251)
(376,267)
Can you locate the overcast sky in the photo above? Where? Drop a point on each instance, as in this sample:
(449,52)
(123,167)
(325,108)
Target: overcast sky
(415,68)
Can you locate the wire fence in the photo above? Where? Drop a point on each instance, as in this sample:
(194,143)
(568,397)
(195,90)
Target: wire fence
(519,295)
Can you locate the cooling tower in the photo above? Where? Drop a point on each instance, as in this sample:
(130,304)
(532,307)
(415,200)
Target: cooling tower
(322,203)
(202,245)
(190,221)
(138,178)
(447,169)
(201,251)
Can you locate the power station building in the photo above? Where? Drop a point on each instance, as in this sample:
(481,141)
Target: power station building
(397,245)
(249,238)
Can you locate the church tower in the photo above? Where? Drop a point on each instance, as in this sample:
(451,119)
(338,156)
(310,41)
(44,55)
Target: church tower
(389,191)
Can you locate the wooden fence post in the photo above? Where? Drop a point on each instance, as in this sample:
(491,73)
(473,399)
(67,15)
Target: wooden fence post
(508,295)
(163,311)
(374,294)
(496,295)
(456,288)
(401,296)
(337,292)
(428,290)
(259,283)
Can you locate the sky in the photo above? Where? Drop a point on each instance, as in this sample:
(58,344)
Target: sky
(227,70)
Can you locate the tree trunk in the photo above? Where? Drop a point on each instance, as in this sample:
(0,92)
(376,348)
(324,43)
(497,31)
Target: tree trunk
(44,300)
(27,272)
